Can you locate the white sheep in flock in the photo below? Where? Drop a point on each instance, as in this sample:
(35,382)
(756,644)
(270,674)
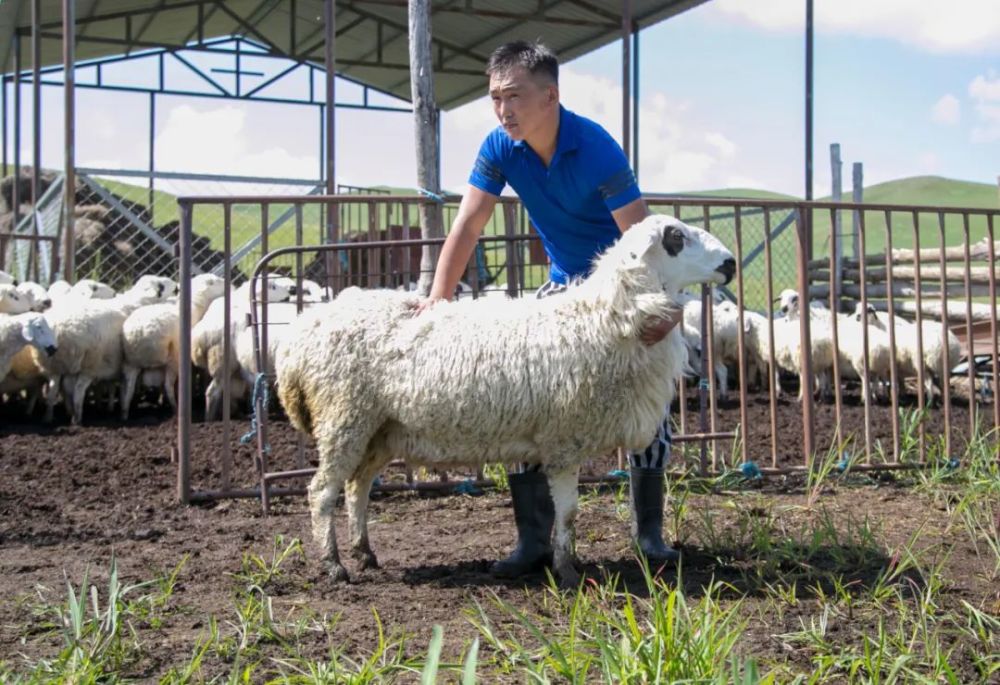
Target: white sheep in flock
(89,338)
(938,356)
(555,381)
(19,331)
(38,296)
(725,337)
(851,348)
(788,346)
(89,289)
(13,301)
(207,336)
(151,341)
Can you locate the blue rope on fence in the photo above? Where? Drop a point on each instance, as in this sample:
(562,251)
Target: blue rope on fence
(751,471)
(954,463)
(467,487)
(844,464)
(703,384)
(618,473)
(260,391)
(432,195)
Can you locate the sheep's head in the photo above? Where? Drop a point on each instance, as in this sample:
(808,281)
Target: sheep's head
(788,303)
(12,301)
(92,290)
(208,286)
(677,254)
(35,331)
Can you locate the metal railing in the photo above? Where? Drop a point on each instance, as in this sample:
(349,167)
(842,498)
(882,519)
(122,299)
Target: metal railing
(761,425)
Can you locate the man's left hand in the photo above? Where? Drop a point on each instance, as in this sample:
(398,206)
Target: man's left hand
(656,330)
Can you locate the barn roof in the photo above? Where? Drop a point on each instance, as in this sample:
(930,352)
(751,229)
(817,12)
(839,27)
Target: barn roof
(371,35)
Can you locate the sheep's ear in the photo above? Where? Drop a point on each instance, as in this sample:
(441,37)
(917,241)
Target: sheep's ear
(637,243)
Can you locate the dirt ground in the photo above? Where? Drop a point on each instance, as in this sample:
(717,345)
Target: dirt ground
(74,496)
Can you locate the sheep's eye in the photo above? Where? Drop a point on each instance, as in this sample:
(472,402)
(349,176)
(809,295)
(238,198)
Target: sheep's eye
(673,240)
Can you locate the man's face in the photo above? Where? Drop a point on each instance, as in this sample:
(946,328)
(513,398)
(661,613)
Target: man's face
(523,103)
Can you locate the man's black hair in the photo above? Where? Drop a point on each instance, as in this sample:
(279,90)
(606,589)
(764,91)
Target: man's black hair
(538,59)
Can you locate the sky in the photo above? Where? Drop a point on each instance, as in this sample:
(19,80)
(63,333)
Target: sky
(906,88)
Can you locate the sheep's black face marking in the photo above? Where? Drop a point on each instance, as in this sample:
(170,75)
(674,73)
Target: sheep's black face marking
(673,240)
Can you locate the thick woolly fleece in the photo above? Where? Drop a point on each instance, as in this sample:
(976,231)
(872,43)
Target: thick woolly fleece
(556,381)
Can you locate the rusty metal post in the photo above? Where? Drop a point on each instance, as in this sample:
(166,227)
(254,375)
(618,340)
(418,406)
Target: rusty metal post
(946,362)
(836,263)
(970,338)
(69,171)
(865,360)
(918,288)
(184,351)
(772,371)
(227,343)
(741,338)
(993,328)
(806,372)
(893,373)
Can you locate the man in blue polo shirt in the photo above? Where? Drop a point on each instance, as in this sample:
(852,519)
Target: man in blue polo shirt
(581,194)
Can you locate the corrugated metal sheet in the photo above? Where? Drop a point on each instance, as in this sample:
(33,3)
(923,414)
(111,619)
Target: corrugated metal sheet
(372,40)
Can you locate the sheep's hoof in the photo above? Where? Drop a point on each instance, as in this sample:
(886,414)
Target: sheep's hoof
(338,573)
(569,579)
(366,559)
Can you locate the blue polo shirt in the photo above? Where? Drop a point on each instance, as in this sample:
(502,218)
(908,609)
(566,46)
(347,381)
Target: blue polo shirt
(569,202)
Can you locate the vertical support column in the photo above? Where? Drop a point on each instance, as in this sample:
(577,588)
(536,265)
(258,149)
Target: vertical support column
(328,125)
(803,230)
(17,131)
(626,75)
(857,197)
(635,102)
(152,152)
(36,129)
(836,240)
(3,121)
(809,100)
(69,171)
(184,352)
(425,123)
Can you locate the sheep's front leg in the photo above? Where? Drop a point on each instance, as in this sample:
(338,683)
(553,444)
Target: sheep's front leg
(563,486)
(51,397)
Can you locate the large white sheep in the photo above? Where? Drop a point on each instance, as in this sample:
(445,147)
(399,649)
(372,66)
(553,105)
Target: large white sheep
(12,301)
(555,381)
(788,347)
(208,353)
(90,346)
(151,340)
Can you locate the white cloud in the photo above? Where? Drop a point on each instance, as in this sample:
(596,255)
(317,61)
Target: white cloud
(961,26)
(985,87)
(216,141)
(985,91)
(947,110)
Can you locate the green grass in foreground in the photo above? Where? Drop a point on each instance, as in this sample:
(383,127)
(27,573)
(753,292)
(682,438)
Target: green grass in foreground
(841,602)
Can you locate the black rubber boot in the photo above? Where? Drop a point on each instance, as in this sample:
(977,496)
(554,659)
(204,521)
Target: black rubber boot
(647,516)
(533,516)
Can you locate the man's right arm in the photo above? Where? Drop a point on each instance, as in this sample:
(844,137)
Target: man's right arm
(473,213)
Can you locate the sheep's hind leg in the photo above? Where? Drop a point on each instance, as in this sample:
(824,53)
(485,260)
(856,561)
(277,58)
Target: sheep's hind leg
(563,486)
(356,497)
(337,461)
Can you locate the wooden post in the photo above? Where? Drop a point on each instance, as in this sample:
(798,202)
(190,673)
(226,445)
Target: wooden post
(857,193)
(425,114)
(836,240)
